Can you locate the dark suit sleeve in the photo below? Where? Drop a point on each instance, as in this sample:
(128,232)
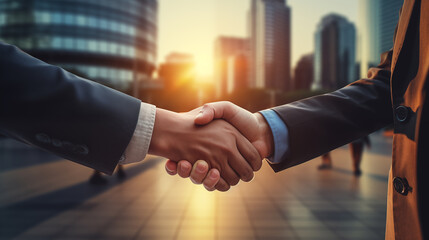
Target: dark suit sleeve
(74,118)
(320,124)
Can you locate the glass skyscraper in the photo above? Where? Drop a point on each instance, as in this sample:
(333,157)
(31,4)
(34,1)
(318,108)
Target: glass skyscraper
(109,41)
(269,24)
(335,53)
(230,55)
(378,19)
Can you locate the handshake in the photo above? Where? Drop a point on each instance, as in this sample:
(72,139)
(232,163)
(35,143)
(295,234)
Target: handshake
(230,141)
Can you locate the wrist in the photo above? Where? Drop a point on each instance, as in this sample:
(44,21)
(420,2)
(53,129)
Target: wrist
(265,136)
(160,143)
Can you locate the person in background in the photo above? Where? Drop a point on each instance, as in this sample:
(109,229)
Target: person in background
(326,162)
(356,149)
(98,179)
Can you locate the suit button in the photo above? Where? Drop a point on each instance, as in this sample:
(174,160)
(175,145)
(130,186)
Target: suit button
(41,137)
(401,113)
(82,149)
(401,185)
(56,142)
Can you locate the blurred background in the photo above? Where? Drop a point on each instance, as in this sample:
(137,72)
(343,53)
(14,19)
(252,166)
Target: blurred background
(178,55)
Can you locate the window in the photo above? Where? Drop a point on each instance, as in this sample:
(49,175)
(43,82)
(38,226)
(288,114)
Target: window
(115,26)
(103,47)
(92,45)
(92,22)
(113,48)
(57,18)
(56,42)
(81,20)
(92,72)
(123,28)
(132,31)
(69,43)
(42,17)
(44,42)
(123,50)
(81,44)
(103,73)
(69,19)
(104,24)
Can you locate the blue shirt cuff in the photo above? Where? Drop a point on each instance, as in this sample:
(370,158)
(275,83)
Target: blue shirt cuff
(280,135)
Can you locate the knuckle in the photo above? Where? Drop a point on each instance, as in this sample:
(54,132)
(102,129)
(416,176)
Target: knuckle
(257,166)
(248,176)
(234,181)
(222,187)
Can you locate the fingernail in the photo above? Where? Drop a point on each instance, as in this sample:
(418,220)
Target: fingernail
(201,168)
(199,115)
(214,175)
(184,168)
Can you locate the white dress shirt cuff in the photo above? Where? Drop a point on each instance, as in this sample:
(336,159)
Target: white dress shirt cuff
(139,145)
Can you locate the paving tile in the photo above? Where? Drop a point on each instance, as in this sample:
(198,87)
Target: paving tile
(299,203)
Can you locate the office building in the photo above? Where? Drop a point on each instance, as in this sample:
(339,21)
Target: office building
(231,71)
(178,72)
(303,74)
(270,27)
(378,19)
(237,73)
(111,42)
(335,50)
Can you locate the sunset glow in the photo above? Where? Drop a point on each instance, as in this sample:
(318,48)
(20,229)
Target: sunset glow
(192,26)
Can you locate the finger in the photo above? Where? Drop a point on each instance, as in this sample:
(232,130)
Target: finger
(212,179)
(241,167)
(229,175)
(171,167)
(184,168)
(222,185)
(243,120)
(210,111)
(205,116)
(199,171)
(249,152)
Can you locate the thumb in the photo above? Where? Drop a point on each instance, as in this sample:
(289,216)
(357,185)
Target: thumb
(240,118)
(205,116)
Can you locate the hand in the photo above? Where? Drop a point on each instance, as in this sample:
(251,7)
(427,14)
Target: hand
(175,136)
(252,126)
(200,173)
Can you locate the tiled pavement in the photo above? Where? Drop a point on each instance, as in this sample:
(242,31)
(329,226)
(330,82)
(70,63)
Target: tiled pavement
(51,199)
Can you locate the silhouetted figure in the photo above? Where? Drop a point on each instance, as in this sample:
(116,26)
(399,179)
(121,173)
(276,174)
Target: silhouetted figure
(326,162)
(356,149)
(98,179)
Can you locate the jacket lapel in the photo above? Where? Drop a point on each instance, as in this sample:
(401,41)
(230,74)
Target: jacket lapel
(404,21)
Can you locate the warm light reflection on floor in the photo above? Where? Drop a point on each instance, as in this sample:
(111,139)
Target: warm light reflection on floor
(202,204)
(299,203)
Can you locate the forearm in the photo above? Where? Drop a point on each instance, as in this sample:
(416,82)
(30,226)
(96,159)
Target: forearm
(320,124)
(72,117)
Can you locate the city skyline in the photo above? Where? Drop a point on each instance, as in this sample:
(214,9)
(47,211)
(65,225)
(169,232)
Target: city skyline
(198,24)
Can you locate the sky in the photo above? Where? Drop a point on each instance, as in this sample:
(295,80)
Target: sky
(192,26)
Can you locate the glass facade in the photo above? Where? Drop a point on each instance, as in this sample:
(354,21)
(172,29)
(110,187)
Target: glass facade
(227,49)
(112,42)
(270,45)
(335,53)
(378,19)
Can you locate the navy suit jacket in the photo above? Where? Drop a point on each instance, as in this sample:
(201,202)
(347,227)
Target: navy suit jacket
(72,117)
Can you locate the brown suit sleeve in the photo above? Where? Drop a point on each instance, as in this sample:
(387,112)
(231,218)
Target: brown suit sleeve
(320,124)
